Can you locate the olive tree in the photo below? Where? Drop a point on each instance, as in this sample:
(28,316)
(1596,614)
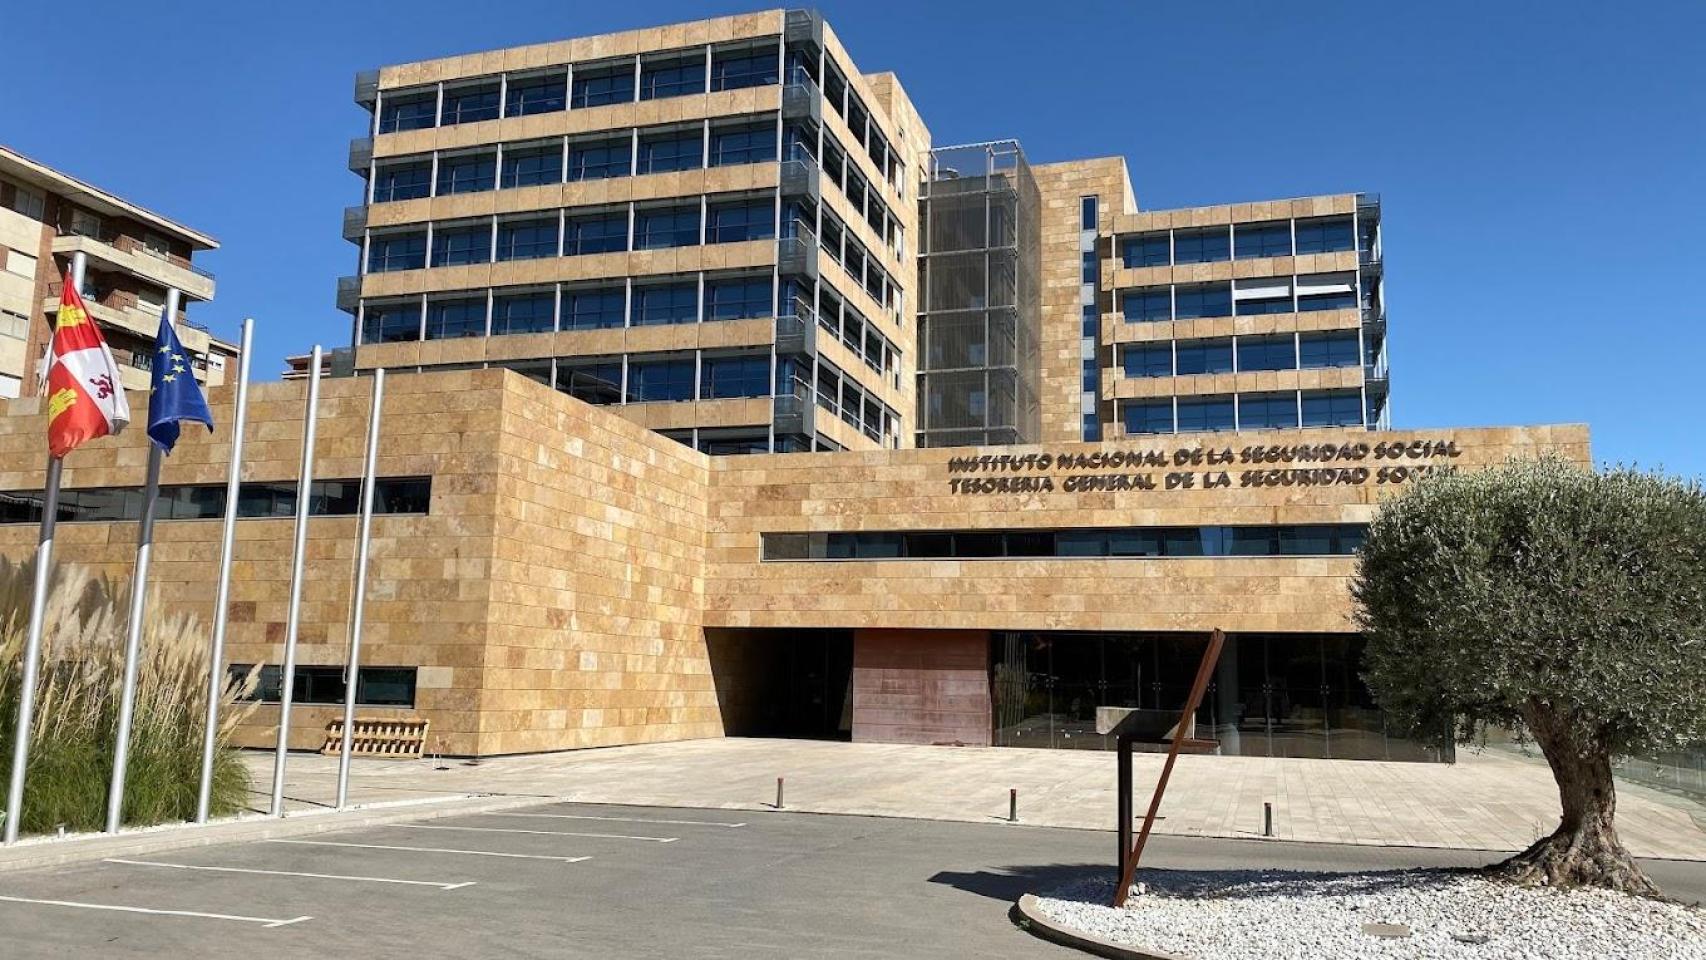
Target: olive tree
(1544,597)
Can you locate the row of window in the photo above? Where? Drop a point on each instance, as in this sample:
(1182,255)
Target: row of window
(732,441)
(1239,241)
(585,232)
(1243,298)
(1318,540)
(329,498)
(374,686)
(616,154)
(1280,410)
(841,321)
(656,379)
(665,301)
(654,77)
(847,105)
(1303,351)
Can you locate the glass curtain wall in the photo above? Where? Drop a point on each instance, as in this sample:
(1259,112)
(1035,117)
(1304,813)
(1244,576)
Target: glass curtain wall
(980,309)
(1273,695)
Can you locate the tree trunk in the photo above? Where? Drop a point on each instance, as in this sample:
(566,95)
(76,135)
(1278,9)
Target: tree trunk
(1584,851)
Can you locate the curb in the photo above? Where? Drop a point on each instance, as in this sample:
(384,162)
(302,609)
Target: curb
(1027,914)
(35,855)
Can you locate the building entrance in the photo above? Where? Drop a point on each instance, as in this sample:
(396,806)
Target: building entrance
(783,683)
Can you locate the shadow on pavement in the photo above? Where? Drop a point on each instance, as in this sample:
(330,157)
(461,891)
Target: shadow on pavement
(1009,883)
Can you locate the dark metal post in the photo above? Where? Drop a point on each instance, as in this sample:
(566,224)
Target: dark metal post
(1125,802)
(778,793)
(1013,805)
(1267,819)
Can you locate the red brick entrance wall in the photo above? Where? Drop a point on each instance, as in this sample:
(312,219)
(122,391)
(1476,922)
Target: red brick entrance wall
(921,686)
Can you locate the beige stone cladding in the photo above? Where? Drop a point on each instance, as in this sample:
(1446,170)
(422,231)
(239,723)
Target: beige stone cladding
(1062,186)
(915,490)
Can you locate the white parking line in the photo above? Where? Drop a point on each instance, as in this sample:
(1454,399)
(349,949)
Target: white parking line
(471,853)
(291,873)
(539,833)
(263,921)
(584,816)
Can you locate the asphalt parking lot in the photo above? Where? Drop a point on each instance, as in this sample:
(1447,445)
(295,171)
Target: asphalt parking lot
(575,880)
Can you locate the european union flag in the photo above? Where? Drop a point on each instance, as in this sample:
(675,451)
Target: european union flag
(176,396)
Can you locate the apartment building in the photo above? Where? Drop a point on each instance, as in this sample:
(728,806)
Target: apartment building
(704,225)
(133,257)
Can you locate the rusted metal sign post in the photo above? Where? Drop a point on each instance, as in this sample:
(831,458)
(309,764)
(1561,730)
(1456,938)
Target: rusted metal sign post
(1149,726)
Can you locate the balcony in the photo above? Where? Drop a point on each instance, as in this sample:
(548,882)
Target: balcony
(800,97)
(127,256)
(803,26)
(367,88)
(355,223)
(796,329)
(361,155)
(792,410)
(799,177)
(349,294)
(126,315)
(796,252)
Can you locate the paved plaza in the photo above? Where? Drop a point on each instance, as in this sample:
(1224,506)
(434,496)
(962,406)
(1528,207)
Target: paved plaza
(575,880)
(1489,801)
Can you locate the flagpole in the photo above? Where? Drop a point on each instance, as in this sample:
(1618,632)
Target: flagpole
(222,596)
(293,618)
(138,612)
(370,479)
(14,812)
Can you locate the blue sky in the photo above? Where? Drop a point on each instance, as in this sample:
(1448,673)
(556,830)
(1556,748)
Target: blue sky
(1542,165)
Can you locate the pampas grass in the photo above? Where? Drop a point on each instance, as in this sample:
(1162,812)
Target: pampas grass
(77,700)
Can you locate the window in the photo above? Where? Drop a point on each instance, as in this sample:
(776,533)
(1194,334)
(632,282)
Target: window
(1207,245)
(1204,300)
(753,143)
(1338,349)
(1086,213)
(594,308)
(1287,540)
(598,233)
(1267,353)
(402,181)
(85,224)
(374,686)
(738,298)
(470,104)
(595,87)
(1325,235)
(1253,240)
(1148,416)
(1335,300)
(391,495)
(1205,356)
(665,304)
(1087,267)
(734,443)
(28,202)
(454,246)
(527,239)
(532,167)
(733,70)
(524,313)
(672,78)
(681,150)
(1147,303)
(1146,250)
(660,380)
(449,319)
(530,95)
(1089,324)
(411,112)
(599,159)
(1148,360)
(396,251)
(1332,408)
(466,173)
(745,376)
(390,322)
(596,382)
(747,220)
(19,263)
(1261,411)
(1205,413)
(661,227)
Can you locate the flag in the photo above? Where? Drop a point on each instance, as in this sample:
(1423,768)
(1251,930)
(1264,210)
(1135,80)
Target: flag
(176,396)
(85,399)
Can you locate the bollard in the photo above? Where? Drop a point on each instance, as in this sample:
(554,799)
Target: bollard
(1267,819)
(1013,805)
(778,793)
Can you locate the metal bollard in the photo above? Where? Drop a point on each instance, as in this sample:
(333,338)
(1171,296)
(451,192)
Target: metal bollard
(1267,819)
(1013,805)
(778,793)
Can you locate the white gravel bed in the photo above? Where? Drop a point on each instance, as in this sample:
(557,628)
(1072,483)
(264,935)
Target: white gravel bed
(1271,914)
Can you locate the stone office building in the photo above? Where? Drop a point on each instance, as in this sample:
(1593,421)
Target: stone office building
(1011,445)
(548,575)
